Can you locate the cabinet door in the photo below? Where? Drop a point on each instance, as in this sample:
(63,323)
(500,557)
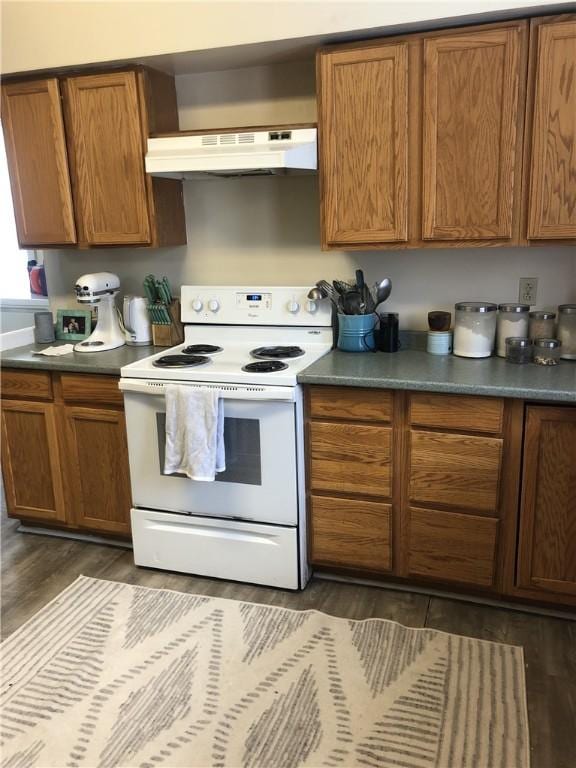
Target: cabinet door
(96,463)
(107,154)
(351,458)
(547,543)
(363,123)
(350,533)
(38,163)
(552,207)
(459,471)
(451,547)
(474,85)
(31,461)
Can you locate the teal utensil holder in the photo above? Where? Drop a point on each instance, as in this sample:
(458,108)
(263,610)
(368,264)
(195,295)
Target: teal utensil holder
(356,333)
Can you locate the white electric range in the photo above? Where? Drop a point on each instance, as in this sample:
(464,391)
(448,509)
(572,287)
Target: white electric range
(250,523)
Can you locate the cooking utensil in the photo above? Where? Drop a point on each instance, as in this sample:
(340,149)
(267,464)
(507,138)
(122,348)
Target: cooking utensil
(342,287)
(328,289)
(316,294)
(383,290)
(353,303)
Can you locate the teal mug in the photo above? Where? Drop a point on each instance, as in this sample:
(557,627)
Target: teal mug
(356,333)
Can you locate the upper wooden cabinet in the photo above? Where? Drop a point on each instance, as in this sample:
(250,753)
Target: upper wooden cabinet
(547,544)
(96,140)
(107,151)
(434,139)
(472,134)
(552,126)
(363,103)
(38,163)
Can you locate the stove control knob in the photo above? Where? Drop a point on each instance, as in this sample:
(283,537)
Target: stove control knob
(197,305)
(213,305)
(311,306)
(293,306)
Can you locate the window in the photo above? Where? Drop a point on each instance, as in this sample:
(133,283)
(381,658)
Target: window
(14,281)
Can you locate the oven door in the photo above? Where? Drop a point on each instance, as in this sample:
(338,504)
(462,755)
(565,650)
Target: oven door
(260,481)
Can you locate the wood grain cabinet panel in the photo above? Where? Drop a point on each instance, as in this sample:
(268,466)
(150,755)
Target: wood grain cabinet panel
(363,123)
(95,390)
(31,461)
(38,163)
(350,533)
(350,458)
(472,414)
(96,460)
(547,544)
(352,403)
(26,384)
(474,84)
(107,152)
(450,547)
(552,206)
(460,471)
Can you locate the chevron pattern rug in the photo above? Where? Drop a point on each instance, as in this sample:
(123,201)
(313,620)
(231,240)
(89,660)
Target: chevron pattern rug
(111,674)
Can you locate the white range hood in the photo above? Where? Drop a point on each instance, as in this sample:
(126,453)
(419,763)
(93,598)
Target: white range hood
(245,153)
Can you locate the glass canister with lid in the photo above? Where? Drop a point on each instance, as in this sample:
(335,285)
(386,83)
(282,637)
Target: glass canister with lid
(542,325)
(512,323)
(567,330)
(474,328)
(547,351)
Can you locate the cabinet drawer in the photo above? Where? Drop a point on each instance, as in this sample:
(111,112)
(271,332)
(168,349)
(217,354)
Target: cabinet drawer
(352,403)
(350,533)
(472,414)
(82,388)
(35,385)
(353,458)
(457,470)
(450,547)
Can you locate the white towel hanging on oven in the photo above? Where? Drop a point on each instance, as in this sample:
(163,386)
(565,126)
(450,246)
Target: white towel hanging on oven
(194,432)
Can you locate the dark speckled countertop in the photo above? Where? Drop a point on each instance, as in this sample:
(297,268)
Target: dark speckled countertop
(407,369)
(77,362)
(416,370)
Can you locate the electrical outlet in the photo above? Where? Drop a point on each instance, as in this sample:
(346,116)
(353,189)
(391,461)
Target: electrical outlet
(528,290)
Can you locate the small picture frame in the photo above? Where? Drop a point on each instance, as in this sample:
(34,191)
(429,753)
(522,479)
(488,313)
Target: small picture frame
(73,324)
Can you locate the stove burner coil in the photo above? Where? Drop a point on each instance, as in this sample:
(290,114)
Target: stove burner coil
(180,361)
(265,366)
(277,352)
(201,349)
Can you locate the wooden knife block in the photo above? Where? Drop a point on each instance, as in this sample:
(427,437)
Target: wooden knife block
(169,335)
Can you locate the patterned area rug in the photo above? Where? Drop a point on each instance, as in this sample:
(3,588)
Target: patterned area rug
(110,674)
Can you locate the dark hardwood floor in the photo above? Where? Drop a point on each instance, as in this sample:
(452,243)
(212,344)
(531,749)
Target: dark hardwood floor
(36,568)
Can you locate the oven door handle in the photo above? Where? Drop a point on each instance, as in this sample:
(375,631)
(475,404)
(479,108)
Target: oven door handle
(227,391)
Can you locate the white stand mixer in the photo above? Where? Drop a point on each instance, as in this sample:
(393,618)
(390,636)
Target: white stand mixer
(100,289)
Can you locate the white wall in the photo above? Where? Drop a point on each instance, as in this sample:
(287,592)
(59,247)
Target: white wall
(37,35)
(266,230)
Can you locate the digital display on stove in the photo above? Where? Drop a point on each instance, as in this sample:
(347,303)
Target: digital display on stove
(255,301)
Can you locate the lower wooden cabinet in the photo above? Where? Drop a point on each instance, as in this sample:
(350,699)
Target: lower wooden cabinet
(96,460)
(350,458)
(349,531)
(451,547)
(459,471)
(65,462)
(425,488)
(31,461)
(547,542)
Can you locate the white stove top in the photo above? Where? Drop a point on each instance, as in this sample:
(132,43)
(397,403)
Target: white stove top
(237,345)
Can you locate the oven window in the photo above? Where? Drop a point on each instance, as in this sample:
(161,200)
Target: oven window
(242,444)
